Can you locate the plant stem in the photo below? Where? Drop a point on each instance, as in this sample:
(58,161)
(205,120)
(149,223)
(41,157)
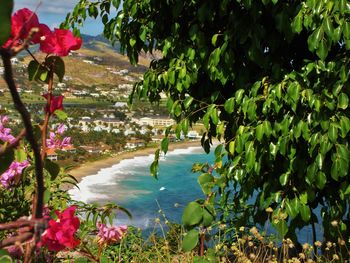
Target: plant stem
(39,175)
(47,116)
(202,238)
(6,57)
(314,237)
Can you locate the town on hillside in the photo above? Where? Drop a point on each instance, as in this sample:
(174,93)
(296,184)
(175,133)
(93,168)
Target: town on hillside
(96,87)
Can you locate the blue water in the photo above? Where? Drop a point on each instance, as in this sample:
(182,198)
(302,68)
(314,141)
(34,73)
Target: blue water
(130,185)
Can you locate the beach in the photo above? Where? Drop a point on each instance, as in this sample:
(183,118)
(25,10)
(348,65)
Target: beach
(91,168)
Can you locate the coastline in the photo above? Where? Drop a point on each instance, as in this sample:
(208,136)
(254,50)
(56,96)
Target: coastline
(91,168)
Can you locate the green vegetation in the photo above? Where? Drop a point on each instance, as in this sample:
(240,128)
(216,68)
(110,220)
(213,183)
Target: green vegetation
(270,79)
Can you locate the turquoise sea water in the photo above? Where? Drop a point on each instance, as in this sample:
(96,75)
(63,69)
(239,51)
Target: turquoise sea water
(130,185)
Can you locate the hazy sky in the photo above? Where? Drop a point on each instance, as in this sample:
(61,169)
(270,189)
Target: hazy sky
(53,13)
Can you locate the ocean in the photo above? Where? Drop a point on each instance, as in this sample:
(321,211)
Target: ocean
(130,185)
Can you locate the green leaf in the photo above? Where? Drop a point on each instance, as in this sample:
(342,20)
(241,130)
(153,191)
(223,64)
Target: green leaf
(231,147)
(305,213)
(214,116)
(344,126)
(250,156)
(284,178)
(346,30)
(206,182)
(347,191)
(20,155)
(4,252)
(333,132)
(281,227)
(322,51)
(47,196)
(297,24)
(214,57)
(44,75)
(328,27)
(294,91)
(6,259)
(188,101)
(132,42)
(164,145)
(52,168)
(343,101)
(185,125)
(61,115)
(154,169)
(57,64)
(5,161)
(5,16)
(190,240)
(315,38)
(116,3)
(320,180)
(33,68)
(239,95)
(259,132)
(208,217)
(192,214)
(229,105)
(214,39)
(292,207)
(335,169)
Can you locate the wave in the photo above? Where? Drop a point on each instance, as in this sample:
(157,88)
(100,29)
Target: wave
(93,188)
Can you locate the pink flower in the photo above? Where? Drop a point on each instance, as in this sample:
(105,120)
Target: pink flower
(61,129)
(108,235)
(21,23)
(60,42)
(60,232)
(5,133)
(56,103)
(16,168)
(55,143)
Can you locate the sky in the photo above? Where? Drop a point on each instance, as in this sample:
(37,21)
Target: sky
(53,13)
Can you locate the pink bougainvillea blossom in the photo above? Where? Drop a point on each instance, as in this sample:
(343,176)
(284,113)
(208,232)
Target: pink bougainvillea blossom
(5,133)
(60,232)
(55,104)
(108,235)
(60,42)
(61,128)
(54,141)
(21,24)
(16,168)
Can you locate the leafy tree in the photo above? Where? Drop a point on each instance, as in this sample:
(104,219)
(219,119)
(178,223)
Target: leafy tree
(268,78)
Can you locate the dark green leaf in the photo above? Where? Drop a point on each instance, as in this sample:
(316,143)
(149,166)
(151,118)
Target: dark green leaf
(190,240)
(229,105)
(52,168)
(192,214)
(5,16)
(206,182)
(333,132)
(305,213)
(320,180)
(164,145)
(343,101)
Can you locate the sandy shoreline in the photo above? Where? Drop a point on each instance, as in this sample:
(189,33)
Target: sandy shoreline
(91,168)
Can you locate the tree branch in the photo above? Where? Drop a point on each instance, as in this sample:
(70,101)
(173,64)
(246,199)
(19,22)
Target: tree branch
(6,57)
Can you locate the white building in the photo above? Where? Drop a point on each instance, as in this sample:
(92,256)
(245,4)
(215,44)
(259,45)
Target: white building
(156,121)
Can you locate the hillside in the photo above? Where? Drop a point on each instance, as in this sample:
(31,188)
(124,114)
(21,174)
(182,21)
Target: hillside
(96,71)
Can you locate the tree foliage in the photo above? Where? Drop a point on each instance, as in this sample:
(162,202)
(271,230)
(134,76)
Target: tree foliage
(268,78)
